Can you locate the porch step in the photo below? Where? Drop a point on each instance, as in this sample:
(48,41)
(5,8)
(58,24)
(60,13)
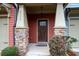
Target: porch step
(38,51)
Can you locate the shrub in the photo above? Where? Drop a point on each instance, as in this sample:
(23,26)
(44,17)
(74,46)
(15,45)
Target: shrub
(10,51)
(57,46)
(60,45)
(69,41)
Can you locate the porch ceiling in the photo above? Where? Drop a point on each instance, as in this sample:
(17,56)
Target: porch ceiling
(40,7)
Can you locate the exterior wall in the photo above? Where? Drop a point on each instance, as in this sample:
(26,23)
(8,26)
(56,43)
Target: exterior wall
(11,24)
(32,21)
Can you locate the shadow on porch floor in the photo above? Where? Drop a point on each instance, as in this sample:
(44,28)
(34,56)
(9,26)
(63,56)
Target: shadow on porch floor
(34,50)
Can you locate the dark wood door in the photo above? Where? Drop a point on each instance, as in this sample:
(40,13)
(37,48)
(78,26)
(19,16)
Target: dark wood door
(42,30)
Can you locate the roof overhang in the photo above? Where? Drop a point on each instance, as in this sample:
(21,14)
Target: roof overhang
(72,5)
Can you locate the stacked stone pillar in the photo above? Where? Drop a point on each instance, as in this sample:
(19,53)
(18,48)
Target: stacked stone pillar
(60,26)
(22,31)
(22,40)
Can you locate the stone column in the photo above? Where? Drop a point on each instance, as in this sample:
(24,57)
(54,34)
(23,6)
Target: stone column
(21,31)
(60,25)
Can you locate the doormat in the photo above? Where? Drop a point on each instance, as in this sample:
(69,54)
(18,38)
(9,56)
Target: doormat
(41,44)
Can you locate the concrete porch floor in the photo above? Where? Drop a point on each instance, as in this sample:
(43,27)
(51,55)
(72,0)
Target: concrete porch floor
(34,50)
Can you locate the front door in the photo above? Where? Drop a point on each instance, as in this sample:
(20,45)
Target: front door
(4,33)
(42,30)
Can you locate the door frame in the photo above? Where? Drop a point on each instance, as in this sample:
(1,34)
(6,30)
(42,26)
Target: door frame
(37,29)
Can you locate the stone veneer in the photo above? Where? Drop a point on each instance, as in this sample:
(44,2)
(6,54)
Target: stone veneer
(21,40)
(60,31)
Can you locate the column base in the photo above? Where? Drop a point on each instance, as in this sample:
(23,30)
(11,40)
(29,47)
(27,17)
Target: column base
(21,40)
(60,31)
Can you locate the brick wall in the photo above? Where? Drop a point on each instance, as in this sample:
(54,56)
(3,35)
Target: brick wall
(11,24)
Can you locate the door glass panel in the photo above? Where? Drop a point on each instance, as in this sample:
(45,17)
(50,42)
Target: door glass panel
(43,23)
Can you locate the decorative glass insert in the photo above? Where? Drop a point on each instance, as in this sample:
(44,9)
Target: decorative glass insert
(43,23)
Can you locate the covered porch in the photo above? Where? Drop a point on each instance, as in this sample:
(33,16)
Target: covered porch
(33,20)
